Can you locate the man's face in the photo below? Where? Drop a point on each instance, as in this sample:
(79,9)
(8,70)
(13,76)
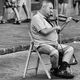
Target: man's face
(48,9)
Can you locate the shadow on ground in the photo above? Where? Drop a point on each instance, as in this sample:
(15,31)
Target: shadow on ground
(12,66)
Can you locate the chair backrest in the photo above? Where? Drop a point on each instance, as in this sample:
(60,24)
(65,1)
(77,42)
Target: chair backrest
(32,41)
(30,36)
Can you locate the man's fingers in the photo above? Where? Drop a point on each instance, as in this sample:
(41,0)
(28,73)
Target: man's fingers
(68,19)
(58,27)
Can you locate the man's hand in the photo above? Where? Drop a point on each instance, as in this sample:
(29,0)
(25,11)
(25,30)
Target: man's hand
(69,19)
(58,27)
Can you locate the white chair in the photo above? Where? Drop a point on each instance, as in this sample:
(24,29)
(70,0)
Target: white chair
(32,49)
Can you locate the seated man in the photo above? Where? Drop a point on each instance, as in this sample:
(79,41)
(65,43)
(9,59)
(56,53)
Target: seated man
(46,39)
(10,4)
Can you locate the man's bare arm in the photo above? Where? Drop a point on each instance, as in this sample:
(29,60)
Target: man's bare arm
(47,31)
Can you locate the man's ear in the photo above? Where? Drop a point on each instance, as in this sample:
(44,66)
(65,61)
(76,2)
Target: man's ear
(44,6)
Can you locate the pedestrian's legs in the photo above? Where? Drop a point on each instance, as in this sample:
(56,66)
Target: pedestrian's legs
(79,8)
(4,15)
(25,9)
(17,14)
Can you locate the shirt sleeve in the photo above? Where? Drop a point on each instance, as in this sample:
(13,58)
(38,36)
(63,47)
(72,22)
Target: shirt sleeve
(38,23)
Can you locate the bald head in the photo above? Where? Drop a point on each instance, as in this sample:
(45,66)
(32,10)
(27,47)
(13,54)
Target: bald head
(46,7)
(45,3)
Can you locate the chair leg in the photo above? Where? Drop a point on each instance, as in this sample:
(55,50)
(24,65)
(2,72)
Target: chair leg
(37,65)
(74,61)
(27,62)
(47,73)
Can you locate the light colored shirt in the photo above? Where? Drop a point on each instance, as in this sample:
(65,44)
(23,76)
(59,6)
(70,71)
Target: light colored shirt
(21,2)
(39,23)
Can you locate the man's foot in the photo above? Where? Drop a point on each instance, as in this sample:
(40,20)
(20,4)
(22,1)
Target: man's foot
(64,74)
(53,71)
(62,71)
(17,22)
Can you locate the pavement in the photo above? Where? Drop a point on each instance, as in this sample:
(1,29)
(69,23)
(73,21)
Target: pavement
(13,35)
(12,65)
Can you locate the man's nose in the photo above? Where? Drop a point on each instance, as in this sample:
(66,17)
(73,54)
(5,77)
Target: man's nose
(51,12)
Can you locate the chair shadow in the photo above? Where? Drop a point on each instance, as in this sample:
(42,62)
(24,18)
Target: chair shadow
(12,20)
(41,77)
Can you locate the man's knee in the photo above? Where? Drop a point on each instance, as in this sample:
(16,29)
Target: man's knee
(48,49)
(70,49)
(54,52)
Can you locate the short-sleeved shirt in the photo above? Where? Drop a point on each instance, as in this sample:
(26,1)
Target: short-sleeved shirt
(39,23)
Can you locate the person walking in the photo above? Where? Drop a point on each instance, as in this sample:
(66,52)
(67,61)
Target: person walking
(22,4)
(10,4)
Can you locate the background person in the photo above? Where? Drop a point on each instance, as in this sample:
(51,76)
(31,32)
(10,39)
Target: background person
(10,4)
(45,36)
(22,4)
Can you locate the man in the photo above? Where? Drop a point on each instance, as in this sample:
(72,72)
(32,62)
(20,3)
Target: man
(10,4)
(46,39)
(22,4)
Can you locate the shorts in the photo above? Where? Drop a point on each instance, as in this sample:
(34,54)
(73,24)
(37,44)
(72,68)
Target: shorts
(21,2)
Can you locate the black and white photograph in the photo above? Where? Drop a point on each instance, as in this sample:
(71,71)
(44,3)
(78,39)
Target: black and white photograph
(39,39)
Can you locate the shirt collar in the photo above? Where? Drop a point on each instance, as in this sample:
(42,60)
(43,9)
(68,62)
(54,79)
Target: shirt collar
(41,15)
